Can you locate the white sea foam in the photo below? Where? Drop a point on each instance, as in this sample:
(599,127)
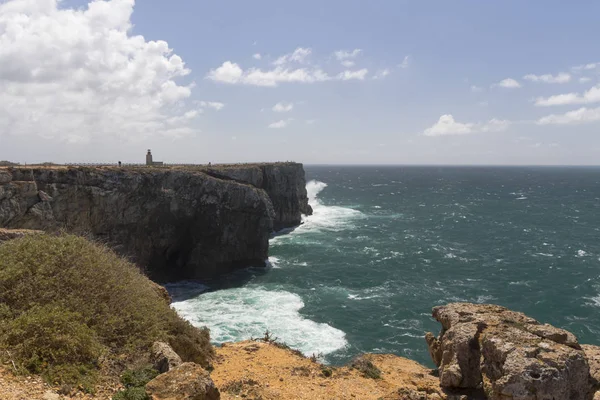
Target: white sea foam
(581,253)
(324,218)
(273,262)
(242,313)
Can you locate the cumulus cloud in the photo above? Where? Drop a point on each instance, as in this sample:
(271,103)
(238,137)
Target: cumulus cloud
(283,107)
(584,79)
(344,54)
(580,116)
(508,83)
(349,75)
(348,63)
(257,56)
(212,104)
(562,77)
(280,124)
(588,97)
(232,73)
(447,126)
(75,74)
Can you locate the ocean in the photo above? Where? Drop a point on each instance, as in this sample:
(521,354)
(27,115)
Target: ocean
(386,244)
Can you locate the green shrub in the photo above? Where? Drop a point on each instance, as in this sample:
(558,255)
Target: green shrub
(138,377)
(65,301)
(136,393)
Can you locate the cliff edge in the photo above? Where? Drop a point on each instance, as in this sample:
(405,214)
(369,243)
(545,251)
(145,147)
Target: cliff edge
(178,223)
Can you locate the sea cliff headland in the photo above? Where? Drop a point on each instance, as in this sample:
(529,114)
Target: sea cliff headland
(175,222)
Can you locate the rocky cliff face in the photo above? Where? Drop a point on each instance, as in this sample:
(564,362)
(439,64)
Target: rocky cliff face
(284,183)
(177,223)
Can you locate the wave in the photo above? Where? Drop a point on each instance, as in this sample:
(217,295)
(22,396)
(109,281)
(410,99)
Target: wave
(329,218)
(243,313)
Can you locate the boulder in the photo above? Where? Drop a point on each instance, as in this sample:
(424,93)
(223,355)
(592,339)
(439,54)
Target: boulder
(592,354)
(188,381)
(163,357)
(507,354)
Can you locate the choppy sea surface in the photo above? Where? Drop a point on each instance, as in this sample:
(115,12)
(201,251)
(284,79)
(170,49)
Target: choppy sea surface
(386,244)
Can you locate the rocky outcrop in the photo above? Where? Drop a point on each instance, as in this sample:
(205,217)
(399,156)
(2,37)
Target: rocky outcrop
(592,354)
(284,183)
(188,381)
(163,357)
(176,223)
(507,354)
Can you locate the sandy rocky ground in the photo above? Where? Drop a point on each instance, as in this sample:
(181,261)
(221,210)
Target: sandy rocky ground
(256,370)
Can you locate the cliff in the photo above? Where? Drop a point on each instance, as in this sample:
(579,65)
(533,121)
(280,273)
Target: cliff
(179,223)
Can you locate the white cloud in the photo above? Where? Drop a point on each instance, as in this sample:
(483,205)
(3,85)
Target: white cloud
(76,74)
(280,124)
(348,63)
(344,55)
(586,67)
(283,107)
(447,126)
(547,78)
(588,97)
(508,83)
(349,75)
(227,73)
(299,56)
(257,56)
(476,89)
(232,73)
(212,104)
(405,63)
(382,74)
(580,116)
(584,79)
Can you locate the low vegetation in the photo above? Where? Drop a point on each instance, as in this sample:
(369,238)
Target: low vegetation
(366,367)
(69,308)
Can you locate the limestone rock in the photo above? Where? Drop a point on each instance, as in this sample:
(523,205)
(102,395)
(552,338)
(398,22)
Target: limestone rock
(508,354)
(592,354)
(176,223)
(185,382)
(163,357)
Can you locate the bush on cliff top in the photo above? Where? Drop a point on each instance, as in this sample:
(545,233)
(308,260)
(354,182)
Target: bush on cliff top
(67,303)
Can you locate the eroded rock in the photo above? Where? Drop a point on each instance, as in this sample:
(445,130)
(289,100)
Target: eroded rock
(188,381)
(508,354)
(163,357)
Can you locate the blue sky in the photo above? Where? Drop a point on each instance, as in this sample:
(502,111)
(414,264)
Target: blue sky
(384,82)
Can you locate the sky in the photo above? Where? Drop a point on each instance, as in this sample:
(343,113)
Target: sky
(462,82)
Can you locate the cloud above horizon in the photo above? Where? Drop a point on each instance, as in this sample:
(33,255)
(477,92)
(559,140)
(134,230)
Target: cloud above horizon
(293,67)
(590,96)
(448,126)
(76,74)
(508,83)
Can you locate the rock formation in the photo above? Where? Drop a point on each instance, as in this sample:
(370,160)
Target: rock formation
(177,223)
(185,382)
(508,355)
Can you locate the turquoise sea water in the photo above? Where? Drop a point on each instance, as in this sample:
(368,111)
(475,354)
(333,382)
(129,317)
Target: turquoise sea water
(386,244)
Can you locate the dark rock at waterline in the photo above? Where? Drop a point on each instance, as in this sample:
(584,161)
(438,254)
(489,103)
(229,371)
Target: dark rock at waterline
(176,223)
